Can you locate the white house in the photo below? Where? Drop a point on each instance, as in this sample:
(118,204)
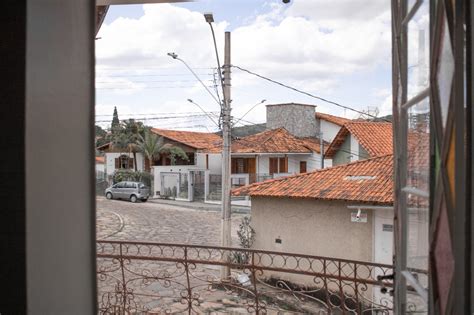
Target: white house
(329,125)
(358,140)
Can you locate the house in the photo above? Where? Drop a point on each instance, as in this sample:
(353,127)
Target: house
(100,164)
(268,154)
(189,141)
(329,125)
(358,140)
(343,211)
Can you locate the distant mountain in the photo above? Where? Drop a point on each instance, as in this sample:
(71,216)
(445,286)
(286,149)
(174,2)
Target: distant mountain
(247,130)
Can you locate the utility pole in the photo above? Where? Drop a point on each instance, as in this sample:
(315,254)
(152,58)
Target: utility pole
(321,148)
(226,149)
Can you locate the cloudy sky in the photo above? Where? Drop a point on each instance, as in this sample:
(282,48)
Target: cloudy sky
(336,49)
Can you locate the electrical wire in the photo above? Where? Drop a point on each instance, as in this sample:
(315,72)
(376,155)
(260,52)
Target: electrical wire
(307,93)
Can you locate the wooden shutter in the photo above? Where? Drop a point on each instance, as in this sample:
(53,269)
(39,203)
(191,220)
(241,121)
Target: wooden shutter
(130,163)
(284,165)
(303,167)
(273,165)
(117,163)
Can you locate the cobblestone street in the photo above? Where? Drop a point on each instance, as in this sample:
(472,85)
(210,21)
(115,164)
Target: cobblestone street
(161,223)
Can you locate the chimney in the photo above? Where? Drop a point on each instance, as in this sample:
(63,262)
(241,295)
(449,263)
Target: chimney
(298,119)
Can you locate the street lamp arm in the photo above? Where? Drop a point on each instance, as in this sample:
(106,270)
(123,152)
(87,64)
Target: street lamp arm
(217,57)
(263,101)
(175,56)
(202,109)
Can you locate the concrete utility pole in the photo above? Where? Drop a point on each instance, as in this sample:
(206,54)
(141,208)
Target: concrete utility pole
(321,148)
(226,137)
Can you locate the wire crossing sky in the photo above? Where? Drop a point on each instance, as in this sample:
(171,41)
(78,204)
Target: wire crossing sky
(333,50)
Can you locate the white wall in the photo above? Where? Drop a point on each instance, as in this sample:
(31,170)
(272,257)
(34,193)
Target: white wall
(354,148)
(99,167)
(215,162)
(110,161)
(329,130)
(157,170)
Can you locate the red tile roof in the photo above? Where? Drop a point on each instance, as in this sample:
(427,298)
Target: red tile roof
(269,141)
(197,140)
(333,119)
(375,137)
(100,159)
(366,181)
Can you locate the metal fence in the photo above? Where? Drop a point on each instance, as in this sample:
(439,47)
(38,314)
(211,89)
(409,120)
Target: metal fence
(159,278)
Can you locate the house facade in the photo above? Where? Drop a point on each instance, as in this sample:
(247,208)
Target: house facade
(359,140)
(344,211)
(329,125)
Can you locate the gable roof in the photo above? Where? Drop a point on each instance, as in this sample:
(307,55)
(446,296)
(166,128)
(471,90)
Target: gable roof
(269,141)
(375,137)
(197,140)
(332,119)
(365,181)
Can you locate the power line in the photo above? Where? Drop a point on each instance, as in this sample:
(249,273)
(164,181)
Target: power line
(158,118)
(146,87)
(152,114)
(308,94)
(152,75)
(148,81)
(105,68)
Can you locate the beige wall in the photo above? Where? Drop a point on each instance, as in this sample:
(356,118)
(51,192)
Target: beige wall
(310,227)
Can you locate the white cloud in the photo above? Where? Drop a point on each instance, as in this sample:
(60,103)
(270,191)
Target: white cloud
(311,44)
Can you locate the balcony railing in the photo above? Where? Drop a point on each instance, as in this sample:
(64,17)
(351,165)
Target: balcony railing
(153,278)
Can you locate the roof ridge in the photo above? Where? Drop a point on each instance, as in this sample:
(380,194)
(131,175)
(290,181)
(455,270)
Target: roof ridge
(185,131)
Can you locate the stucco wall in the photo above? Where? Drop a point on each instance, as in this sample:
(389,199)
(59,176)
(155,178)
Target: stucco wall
(298,119)
(310,227)
(328,129)
(110,161)
(343,155)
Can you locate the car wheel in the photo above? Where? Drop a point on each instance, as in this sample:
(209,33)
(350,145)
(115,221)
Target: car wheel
(108,195)
(144,199)
(133,198)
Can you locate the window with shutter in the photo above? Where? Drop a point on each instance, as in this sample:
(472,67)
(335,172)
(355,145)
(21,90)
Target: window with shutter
(273,164)
(284,165)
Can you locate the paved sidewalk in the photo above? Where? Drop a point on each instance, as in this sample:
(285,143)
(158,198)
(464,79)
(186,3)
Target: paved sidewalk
(197,205)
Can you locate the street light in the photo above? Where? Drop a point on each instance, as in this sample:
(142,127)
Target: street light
(202,109)
(261,102)
(226,240)
(175,56)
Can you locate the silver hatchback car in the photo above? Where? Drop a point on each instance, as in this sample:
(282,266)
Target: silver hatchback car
(132,191)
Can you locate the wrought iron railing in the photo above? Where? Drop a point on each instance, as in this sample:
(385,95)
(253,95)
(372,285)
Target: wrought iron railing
(152,278)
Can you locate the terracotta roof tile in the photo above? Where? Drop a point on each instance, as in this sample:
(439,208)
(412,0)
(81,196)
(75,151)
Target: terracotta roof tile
(333,119)
(100,159)
(197,140)
(375,137)
(366,181)
(269,141)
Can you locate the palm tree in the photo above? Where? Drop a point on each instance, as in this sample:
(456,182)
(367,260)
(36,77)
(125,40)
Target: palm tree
(153,146)
(126,137)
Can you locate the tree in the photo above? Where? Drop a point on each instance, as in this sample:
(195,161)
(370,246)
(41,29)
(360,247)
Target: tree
(126,136)
(115,121)
(153,146)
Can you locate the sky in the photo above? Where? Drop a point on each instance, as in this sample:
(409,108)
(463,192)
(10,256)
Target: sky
(336,49)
